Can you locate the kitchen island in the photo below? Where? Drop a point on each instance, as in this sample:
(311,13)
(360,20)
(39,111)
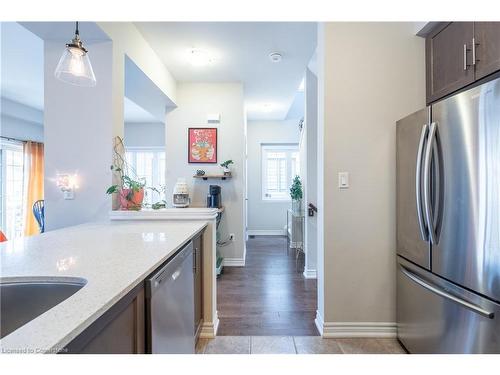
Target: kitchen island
(113,258)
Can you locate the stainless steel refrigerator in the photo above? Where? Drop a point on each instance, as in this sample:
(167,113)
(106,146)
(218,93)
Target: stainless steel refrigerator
(448,224)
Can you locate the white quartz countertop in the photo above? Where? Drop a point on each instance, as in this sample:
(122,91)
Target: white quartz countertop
(113,257)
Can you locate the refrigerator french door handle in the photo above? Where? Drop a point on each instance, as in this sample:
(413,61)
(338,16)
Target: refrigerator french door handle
(444,294)
(427,183)
(418,184)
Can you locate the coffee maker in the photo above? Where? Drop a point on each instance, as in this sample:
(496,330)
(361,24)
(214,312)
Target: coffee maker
(181,194)
(214,199)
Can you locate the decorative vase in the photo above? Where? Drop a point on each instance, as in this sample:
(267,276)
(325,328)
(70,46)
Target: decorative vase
(227,171)
(130,199)
(297,206)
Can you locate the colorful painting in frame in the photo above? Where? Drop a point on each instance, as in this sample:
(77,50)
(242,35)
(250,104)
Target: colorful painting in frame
(202,145)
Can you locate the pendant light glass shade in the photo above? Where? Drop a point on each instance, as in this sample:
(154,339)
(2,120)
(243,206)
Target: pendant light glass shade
(74,65)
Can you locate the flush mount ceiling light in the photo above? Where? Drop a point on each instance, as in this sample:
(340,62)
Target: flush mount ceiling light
(74,65)
(199,57)
(275,57)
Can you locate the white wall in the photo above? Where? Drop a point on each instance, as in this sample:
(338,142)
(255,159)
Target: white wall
(311,170)
(20,121)
(79,129)
(266,215)
(379,79)
(195,101)
(139,134)
(22,130)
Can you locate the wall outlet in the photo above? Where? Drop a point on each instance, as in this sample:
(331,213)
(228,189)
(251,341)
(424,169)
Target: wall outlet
(231,236)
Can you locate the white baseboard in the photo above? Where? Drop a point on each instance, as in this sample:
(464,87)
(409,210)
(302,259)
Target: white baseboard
(319,322)
(209,329)
(263,232)
(234,262)
(310,274)
(355,329)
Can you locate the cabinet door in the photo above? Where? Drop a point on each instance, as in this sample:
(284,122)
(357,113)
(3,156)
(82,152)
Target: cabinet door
(448,59)
(120,330)
(487,39)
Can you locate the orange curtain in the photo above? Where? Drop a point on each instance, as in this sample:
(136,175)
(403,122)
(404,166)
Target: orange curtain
(33,164)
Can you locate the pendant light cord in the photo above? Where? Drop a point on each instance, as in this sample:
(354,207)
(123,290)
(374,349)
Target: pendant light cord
(77,32)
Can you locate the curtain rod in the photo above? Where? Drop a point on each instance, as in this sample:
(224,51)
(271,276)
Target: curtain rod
(17,140)
(12,139)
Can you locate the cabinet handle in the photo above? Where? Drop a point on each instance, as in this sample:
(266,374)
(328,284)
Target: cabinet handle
(465,57)
(474,44)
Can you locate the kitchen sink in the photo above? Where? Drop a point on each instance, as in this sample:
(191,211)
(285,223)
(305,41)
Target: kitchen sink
(23,300)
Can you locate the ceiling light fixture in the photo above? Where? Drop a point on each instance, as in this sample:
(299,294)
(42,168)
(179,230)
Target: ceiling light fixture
(74,65)
(198,57)
(275,57)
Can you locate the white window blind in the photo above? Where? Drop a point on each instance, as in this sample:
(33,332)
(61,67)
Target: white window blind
(149,165)
(12,188)
(280,164)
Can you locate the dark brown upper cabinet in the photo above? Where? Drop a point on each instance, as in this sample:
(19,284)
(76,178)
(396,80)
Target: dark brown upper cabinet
(458,54)
(487,48)
(448,59)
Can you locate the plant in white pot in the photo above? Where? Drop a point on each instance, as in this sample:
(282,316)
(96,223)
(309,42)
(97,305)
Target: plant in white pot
(225,167)
(296,194)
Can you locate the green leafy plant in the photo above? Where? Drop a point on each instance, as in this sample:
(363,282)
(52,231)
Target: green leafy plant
(227,163)
(161,203)
(122,176)
(296,189)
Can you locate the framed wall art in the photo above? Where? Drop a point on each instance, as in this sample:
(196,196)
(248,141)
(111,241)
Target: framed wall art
(202,145)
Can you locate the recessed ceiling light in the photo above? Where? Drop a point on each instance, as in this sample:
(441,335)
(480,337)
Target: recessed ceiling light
(199,57)
(275,57)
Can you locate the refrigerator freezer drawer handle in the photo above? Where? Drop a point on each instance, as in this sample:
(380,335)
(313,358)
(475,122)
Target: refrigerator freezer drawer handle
(418,183)
(427,183)
(442,293)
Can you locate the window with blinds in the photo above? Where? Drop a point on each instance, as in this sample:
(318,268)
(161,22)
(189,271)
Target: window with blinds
(11,189)
(280,164)
(148,165)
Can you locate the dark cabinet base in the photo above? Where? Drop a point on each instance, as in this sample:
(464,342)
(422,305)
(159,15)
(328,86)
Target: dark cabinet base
(121,330)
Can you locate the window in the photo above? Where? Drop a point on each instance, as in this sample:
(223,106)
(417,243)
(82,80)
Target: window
(148,164)
(11,188)
(280,164)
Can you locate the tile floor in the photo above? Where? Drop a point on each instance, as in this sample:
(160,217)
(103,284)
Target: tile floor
(296,345)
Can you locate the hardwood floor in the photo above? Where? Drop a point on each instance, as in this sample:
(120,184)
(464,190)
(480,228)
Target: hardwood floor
(267,297)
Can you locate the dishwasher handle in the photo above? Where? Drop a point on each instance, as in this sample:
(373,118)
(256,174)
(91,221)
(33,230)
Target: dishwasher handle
(169,271)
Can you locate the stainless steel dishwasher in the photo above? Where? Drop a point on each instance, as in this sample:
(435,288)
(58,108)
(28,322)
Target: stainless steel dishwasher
(170,306)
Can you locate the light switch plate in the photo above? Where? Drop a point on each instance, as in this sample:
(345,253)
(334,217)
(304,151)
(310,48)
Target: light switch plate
(343,180)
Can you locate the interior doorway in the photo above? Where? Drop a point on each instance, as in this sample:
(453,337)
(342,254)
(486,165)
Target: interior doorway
(275,293)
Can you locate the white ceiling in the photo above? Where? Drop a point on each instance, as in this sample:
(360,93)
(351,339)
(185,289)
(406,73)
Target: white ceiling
(241,53)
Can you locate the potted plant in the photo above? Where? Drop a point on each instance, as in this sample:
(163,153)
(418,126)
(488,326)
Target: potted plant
(130,190)
(225,167)
(296,194)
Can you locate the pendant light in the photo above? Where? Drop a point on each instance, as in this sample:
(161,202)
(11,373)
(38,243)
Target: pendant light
(74,66)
